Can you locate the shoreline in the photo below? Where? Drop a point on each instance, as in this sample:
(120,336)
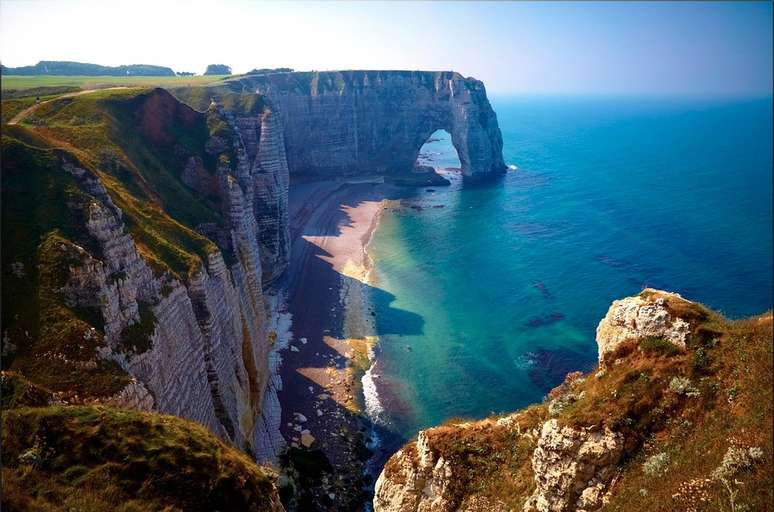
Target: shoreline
(324,409)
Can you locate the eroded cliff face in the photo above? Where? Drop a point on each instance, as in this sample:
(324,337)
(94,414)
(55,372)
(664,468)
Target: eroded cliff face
(344,123)
(619,438)
(192,342)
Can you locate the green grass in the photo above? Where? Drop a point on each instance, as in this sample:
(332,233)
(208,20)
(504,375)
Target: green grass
(60,356)
(16,391)
(230,95)
(11,82)
(37,92)
(134,139)
(105,459)
(137,337)
(42,211)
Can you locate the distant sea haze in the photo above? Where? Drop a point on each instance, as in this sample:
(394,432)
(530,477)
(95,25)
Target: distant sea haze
(498,293)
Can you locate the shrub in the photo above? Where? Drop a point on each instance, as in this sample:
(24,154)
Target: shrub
(737,460)
(137,337)
(683,386)
(653,344)
(656,464)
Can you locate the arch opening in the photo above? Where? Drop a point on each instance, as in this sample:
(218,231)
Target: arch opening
(438,152)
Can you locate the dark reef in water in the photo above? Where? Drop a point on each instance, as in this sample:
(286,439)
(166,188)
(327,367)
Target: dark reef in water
(547,319)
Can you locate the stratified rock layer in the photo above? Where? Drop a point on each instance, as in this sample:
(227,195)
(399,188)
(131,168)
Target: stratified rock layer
(425,477)
(208,342)
(340,123)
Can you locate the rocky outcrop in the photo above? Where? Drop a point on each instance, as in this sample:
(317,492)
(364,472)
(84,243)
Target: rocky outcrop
(652,313)
(341,123)
(565,455)
(419,482)
(263,179)
(572,468)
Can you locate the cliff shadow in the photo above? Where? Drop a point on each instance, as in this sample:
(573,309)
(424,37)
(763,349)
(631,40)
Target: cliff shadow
(323,417)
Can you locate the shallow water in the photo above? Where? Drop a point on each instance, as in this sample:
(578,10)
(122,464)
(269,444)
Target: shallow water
(494,297)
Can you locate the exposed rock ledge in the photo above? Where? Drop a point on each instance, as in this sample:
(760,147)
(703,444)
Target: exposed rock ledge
(652,313)
(572,467)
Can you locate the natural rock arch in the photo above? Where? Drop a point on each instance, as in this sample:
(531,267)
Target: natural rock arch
(433,154)
(341,123)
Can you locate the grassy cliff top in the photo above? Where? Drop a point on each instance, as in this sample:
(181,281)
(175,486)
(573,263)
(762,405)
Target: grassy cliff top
(104,459)
(137,142)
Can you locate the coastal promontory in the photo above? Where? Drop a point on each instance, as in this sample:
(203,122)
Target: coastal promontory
(676,416)
(375,122)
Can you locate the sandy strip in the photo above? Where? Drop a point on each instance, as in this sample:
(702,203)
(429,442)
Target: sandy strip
(327,289)
(348,255)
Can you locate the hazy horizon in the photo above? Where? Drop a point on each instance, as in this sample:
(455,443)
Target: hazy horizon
(545,48)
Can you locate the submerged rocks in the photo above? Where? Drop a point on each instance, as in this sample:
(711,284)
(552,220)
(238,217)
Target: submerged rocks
(648,314)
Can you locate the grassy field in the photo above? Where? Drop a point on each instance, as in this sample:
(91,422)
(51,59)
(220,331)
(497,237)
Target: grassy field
(94,82)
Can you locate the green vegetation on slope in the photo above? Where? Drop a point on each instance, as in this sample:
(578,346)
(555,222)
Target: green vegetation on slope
(15,101)
(43,220)
(104,459)
(16,391)
(231,95)
(138,141)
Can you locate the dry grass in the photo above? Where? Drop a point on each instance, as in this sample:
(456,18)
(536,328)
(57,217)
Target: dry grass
(722,397)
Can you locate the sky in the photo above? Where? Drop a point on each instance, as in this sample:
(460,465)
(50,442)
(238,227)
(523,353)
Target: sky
(656,48)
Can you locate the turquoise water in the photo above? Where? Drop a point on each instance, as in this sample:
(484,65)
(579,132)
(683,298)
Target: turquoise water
(484,304)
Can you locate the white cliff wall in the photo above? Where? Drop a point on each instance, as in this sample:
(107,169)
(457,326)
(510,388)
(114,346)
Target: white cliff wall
(208,358)
(374,122)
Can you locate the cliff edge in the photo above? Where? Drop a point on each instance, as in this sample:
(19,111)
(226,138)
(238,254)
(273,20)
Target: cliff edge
(138,238)
(677,416)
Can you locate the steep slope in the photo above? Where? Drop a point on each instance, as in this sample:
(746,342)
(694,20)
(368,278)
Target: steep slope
(676,417)
(134,260)
(59,458)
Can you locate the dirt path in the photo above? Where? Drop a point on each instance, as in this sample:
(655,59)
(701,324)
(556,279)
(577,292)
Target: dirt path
(27,111)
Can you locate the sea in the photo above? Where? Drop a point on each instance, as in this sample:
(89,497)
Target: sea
(486,296)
